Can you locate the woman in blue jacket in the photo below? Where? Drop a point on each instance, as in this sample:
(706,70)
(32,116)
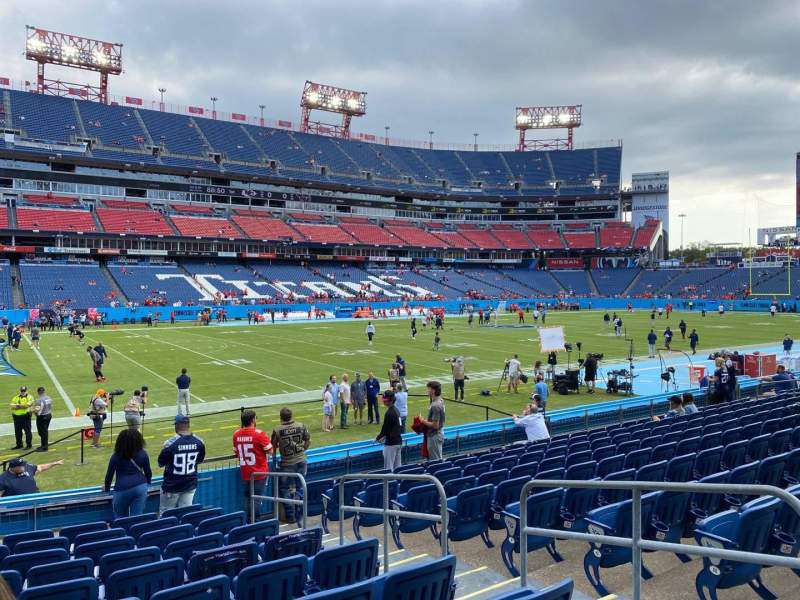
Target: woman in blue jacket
(131,465)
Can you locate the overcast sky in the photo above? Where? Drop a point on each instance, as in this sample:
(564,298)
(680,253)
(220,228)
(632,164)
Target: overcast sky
(707,90)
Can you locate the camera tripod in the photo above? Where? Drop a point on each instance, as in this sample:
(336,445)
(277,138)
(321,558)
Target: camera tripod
(503,377)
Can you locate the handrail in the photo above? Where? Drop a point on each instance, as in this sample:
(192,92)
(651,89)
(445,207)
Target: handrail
(275,498)
(387,512)
(635,542)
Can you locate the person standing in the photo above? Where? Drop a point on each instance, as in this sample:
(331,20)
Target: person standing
(394,375)
(373,388)
(459,375)
(358,393)
(344,400)
(36,332)
(401,370)
(693,339)
(391,433)
(292,440)
(788,342)
(682,327)
(327,409)
(97,412)
(131,466)
(101,353)
(183,381)
(179,457)
(590,373)
(413,328)
(513,374)
(401,404)
(253,448)
(541,390)
(96,364)
(370,332)
(21,415)
(335,397)
(652,338)
(667,338)
(133,410)
(19,478)
(43,409)
(437,339)
(434,424)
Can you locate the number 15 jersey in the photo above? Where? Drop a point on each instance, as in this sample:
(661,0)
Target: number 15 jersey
(252,447)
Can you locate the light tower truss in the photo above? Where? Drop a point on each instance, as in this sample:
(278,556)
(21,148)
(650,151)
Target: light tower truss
(547,117)
(328,98)
(51,47)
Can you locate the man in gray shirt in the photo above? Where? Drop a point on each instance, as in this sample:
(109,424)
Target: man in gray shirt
(42,407)
(358,394)
(434,437)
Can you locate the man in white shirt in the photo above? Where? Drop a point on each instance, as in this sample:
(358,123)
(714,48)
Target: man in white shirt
(344,400)
(533,423)
(513,374)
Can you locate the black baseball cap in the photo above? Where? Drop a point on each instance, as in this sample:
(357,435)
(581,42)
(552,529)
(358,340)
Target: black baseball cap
(388,395)
(181,419)
(16,462)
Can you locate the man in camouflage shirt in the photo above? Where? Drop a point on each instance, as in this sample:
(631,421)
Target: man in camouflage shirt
(292,440)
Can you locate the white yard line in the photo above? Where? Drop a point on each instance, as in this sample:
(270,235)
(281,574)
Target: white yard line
(297,387)
(61,391)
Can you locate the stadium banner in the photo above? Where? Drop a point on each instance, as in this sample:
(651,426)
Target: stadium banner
(551,339)
(565,263)
(60,250)
(145,252)
(286,124)
(196,110)
(108,251)
(18,249)
(132,100)
(238,117)
(259,255)
(223,254)
(5,81)
(346,258)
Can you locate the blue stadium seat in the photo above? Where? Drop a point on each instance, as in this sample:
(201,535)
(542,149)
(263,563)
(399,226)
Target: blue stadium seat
(701,505)
(115,561)
(663,452)
(225,560)
(559,591)
(655,471)
(731,434)
(127,522)
(23,562)
(432,581)
(96,550)
(194,518)
(419,499)
(257,532)
(12,539)
(73,531)
(372,497)
(543,512)
(609,465)
(530,469)
(779,442)
(603,452)
(358,591)
(14,580)
(584,470)
(613,520)
(56,572)
(734,455)
(161,538)
(575,506)
(98,535)
(445,475)
(137,530)
(748,531)
(610,496)
(185,548)
(493,478)
(454,486)
(77,589)
(211,588)
(281,578)
(344,565)
(707,462)
(477,469)
(222,524)
(314,492)
(468,514)
(758,448)
(791,472)
(307,542)
(330,501)
(637,458)
(179,511)
(575,458)
(770,470)
(680,468)
(43,544)
(689,445)
(145,580)
(509,462)
(669,519)
(505,493)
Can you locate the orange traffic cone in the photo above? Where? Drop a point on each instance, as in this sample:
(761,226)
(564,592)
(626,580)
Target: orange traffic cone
(77,412)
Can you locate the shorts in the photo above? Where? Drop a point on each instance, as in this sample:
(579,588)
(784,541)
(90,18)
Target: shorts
(327,410)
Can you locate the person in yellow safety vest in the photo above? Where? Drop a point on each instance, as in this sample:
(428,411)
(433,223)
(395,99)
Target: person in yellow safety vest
(21,414)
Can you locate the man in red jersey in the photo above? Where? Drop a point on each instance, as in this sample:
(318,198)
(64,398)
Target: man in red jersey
(253,448)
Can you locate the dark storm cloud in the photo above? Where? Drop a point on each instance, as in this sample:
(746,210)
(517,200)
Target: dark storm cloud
(708,90)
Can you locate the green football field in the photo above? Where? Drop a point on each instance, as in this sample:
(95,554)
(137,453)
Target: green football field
(274,365)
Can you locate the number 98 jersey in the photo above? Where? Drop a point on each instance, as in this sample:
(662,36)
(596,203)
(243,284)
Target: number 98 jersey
(180,457)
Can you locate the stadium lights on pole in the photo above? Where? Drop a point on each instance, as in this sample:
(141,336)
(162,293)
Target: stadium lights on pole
(262,107)
(475,145)
(682,216)
(161,90)
(430,139)
(50,47)
(386,137)
(214,107)
(328,98)
(547,117)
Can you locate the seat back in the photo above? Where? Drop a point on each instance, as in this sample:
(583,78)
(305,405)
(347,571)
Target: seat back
(73,531)
(345,565)
(652,472)
(492,478)
(14,580)
(179,511)
(508,491)
(477,468)
(282,578)
(44,544)
(114,561)
(734,455)
(314,491)
(25,561)
(707,462)
(679,468)
(758,447)
(431,581)
(307,542)
(184,548)
(609,465)
(529,469)
(98,536)
(574,458)
(509,462)
(755,526)
(603,452)
(581,471)
(225,560)
(575,505)
(779,442)
(446,475)
(145,580)
(670,508)
(454,486)
(544,508)
(223,523)
(472,505)
(663,452)
(85,588)
(731,435)
(127,522)
(95,550)
(770,426)
(60,571)
(12,539)
(637,458)
(358,591)
(257,532)
(688,446)
(708,503)
(612,496)
(559,591)
(422,498)
(770,471)
(710,440)
(211,588)
(161,538)
(351,488)
(194,518)
(139,529)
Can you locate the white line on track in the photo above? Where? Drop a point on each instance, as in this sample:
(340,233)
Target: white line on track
(297,387)
(61,391)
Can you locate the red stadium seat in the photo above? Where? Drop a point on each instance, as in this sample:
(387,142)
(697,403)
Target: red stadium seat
(206,227)
(46,219)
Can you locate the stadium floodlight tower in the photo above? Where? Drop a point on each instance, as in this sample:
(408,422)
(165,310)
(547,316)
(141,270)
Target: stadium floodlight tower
(51,47)
(348,103)
(547,117)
